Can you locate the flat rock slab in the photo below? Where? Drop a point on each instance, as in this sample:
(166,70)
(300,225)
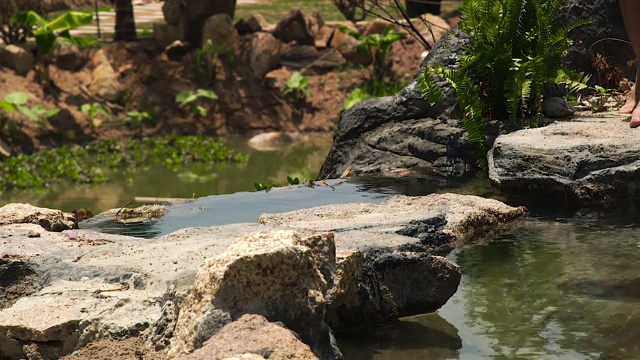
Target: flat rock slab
(94,285)
(592,159)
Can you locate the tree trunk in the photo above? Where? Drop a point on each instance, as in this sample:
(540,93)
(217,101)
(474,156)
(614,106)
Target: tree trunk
(125,23)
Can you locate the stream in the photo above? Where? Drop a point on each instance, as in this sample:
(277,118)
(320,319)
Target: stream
(560,284)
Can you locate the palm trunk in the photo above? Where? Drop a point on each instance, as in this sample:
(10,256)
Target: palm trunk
(125,23)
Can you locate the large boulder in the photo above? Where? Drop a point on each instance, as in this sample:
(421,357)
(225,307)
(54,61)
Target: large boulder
(252,277)
(594,50)
(592,160)
(70,57)
(265,54)
(404,131)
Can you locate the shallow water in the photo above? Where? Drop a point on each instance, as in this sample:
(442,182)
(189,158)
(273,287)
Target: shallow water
(565,288)
(561,284)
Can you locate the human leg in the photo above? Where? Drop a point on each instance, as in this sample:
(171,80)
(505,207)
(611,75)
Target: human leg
(630,10)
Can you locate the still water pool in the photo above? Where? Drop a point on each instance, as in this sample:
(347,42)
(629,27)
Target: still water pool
(560,284)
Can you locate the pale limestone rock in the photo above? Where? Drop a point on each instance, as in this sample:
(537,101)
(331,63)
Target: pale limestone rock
(272,273)
(241,340)
(51,220)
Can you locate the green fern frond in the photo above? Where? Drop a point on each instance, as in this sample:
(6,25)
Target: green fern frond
(429,87)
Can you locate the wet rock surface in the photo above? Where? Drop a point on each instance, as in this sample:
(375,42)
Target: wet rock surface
(97,285)
(51,220)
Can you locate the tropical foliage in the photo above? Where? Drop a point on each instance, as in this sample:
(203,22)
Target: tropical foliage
(516,48)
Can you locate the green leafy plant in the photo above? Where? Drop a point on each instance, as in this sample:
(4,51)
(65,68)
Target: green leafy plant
(190,99)
(49,33)
(380,45)
(516,47)
(17,102)
(138,117)
(203,59)
(265,186)
(599,99)
(298,87)
(96,112)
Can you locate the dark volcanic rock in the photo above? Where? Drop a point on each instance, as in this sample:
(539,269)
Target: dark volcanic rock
(606,36)
(399,131)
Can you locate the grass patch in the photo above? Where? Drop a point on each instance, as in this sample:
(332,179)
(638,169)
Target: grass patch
(274,10)
(94,162)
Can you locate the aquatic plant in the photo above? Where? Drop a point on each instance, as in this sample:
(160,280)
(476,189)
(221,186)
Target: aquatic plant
(97,161)
(515,48)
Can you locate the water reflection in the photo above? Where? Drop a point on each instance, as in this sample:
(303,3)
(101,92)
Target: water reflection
(420,337)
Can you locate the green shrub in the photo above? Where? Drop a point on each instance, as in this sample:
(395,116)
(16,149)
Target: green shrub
(190,99)
(17,102)
(516,48)
(298,87)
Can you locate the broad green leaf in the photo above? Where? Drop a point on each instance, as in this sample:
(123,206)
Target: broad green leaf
(17,98)
(46,40)
(29,113)
(7,106)
(207,94)
(70,20)
(201,111)
(28,18)
(184,97)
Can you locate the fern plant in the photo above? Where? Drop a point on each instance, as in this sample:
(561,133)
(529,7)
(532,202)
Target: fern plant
(515,48)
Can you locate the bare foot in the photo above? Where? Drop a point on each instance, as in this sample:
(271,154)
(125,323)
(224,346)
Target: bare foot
(635,118)
(628,107)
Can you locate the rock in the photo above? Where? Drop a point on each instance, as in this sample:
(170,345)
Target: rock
(50,220)
(323,36)
(314,24)
(385,280)
(165,34)
(347,46)
(273,140)
(432,27)
(590,161)
(607,23)
(5,149)
(277,80)
(172,10)
(293,27)
(376,26)
(105,82)
(220,30)
(257,22)
(265,54)
(557,107)
(251,277)
(191,15)
(17,59)
(242,27)
(362,139)
(308,57)
(176,50)
(252,334)
(87,285)
(369,287)
(64,120)
(70,57)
